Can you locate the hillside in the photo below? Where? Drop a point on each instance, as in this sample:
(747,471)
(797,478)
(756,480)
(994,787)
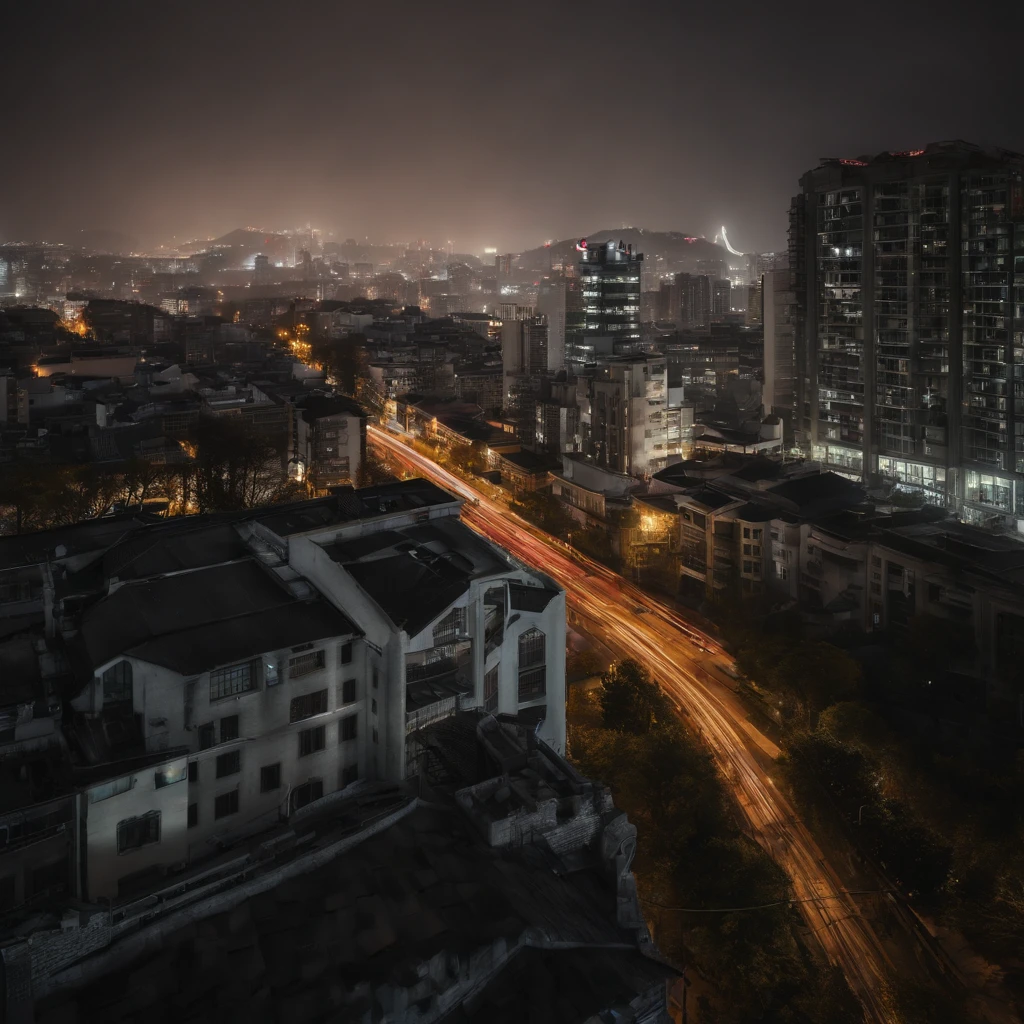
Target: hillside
(676,247)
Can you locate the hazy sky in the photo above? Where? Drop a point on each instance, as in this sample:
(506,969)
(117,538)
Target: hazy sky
(487,123)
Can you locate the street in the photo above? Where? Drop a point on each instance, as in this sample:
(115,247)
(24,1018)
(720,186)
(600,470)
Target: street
(688,663)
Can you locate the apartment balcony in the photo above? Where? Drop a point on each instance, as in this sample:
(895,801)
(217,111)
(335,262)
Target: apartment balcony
(436,681)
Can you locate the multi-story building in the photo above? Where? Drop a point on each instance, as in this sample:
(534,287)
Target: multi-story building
(721,297)
(608,312)
(551,304)
(624,422)
(524,346)
(221,673)
(911,318)
(328,440)
(779,345)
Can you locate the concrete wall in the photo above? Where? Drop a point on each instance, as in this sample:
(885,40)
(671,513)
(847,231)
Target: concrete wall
(266,736)
(104,864)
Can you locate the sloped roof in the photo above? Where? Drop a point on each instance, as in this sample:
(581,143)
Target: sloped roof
(194,621)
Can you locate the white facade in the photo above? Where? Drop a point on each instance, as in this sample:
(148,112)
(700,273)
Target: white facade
(254,736)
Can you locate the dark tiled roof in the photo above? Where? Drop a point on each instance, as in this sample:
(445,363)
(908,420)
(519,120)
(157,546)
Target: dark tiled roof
(91,535)
(413,574)
(172,547)
(193,621)
(817,492)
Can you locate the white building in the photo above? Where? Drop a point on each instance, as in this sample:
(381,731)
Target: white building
(625,405)
(231,671)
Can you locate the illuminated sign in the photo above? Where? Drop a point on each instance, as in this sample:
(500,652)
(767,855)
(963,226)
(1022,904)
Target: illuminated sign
(581,245)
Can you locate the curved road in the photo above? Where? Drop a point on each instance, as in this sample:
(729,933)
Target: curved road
(680,656)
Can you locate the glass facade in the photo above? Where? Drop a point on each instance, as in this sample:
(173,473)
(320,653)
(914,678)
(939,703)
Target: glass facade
(607,301)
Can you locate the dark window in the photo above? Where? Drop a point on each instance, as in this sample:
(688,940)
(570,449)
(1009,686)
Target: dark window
(229,764)
(7,893)
(117,684)
(271,675)
(51,878)
(347,728)
(225,804)
(376,735)
(270,777)
(193,815)
(206,737)
(532,684)
(306,663)
(452,626)
(346,654)
(308,704)
(193,771)
(349,774)
(135,832)
(376,677)
(311,740)
(491,690)
(233,679)
(348,691)
(169,776)
(373,706)
(229,728)
(307,793)
(531,649)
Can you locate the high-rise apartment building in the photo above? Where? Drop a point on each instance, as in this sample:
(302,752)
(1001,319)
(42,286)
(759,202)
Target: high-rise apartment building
(779,348)
(609,302)
(909,322)
(691,301)
(721,297)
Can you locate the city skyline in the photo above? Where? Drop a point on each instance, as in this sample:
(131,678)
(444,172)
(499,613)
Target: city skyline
(719,122)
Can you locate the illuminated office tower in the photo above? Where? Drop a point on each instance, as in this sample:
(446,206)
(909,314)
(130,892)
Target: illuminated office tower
(607,310)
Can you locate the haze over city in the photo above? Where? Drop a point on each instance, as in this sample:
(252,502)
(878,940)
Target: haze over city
(488,124)
(512,512)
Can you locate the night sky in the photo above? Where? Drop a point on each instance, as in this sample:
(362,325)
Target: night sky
(486,123)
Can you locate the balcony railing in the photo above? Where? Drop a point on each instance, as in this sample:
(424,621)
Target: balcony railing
(430,713)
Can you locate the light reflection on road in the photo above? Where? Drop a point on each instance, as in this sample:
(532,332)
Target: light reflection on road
(687,663)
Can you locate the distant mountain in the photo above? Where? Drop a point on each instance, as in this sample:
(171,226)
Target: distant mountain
(675,246)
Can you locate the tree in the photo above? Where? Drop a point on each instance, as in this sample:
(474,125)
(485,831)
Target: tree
(630,701)
(373,470)
(234,468)
(544,510)
(817,674)
(583,664)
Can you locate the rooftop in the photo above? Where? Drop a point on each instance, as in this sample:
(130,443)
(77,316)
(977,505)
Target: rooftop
(379,900)
(194,621)
(345,505)
(415,572)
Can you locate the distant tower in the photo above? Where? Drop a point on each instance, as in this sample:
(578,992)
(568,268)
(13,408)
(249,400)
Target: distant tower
(261,270)
(609,306)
